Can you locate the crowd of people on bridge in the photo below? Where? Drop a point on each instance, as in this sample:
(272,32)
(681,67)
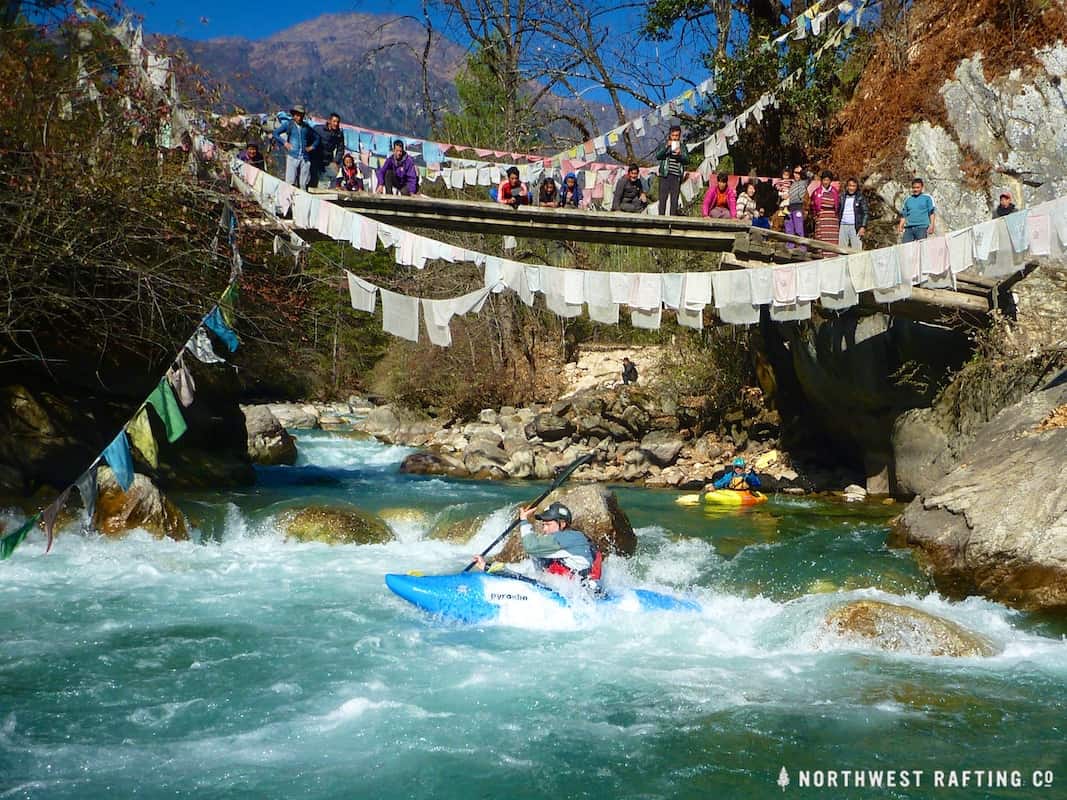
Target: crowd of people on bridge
(795,203)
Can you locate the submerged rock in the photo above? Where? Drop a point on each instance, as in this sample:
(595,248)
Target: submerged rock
(141,506)
(896,628)
(335,525)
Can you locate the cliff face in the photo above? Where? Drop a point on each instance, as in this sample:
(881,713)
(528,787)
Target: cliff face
(967,94)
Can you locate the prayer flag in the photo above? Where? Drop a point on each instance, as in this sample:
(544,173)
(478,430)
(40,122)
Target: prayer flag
(117,455)
(166,405)
(86,486)
(217,325)
(50,514)
(200,346)
(139,430)
(10,541)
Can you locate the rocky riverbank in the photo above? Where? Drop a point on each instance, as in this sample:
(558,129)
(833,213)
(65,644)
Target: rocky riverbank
(639,435)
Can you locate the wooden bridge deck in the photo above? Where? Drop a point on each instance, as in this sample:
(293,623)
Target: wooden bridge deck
(577,225)
(744,245)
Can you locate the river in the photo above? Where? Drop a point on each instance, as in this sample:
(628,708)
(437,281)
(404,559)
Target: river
(239,665)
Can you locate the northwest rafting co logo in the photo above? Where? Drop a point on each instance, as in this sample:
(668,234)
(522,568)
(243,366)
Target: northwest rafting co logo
(508,596)
(877,779)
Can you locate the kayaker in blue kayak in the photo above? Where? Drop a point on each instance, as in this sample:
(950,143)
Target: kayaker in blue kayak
(736,478)
(558,549)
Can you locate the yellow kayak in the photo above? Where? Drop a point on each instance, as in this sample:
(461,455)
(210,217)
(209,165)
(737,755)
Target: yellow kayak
(723,497)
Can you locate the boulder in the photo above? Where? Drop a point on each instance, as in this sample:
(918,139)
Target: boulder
(141,506)
(521,464)
(457,531)
(596,514)
(662,446)
(295,415)
(897,628)
(598,426)
(334,525)
(268,442)
(381,423)
(331,422)
(433,464)
(996,525)
(549,427)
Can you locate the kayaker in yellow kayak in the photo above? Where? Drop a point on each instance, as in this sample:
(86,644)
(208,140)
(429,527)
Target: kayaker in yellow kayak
(736,478)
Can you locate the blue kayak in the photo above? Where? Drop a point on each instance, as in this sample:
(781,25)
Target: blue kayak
(512,598)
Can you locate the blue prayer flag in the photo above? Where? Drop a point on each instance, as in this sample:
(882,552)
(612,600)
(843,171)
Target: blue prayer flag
(217,325)
(118,457)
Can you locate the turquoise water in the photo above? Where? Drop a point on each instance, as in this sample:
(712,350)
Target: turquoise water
(243,666)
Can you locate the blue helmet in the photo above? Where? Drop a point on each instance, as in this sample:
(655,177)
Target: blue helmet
(739,462)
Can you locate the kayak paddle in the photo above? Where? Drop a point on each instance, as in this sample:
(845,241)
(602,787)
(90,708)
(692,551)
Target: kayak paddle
(560,478)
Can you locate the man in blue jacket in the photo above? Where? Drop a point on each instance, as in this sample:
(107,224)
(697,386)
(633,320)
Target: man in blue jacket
(737,478)
(299,143)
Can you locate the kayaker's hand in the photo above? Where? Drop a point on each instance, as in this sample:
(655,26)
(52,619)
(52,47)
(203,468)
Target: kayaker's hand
(525,514)
(479,563)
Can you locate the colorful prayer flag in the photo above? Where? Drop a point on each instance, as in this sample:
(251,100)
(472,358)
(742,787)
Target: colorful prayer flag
(166,405)
(10,541)
(118,457)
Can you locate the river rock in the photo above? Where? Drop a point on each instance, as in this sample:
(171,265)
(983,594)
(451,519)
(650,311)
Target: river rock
(996,525)
(295,415)
(662,446)
(597,514)
(334,525)
(897,628)
(268,442)
(433,464)
(141,506)
(549,427)
(457,531)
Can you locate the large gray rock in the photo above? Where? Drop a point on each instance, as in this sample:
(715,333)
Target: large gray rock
(549,427)
(268,442)
(996,525)
(597,514)
(662,446)
(295,415)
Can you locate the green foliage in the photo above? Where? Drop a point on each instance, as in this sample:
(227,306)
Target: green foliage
(483,97)
(107,240)
(714,364)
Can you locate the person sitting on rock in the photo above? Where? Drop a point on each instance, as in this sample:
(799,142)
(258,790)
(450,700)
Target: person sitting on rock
(558,549)
(629,371)
(736,478)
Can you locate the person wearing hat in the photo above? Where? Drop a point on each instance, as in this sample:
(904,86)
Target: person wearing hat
(736,478)
(1005,206)
(558,549)
(300,143)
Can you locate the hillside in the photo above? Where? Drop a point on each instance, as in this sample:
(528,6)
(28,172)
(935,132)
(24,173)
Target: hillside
(366,67)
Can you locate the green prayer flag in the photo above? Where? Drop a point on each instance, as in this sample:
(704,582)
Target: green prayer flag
(166,405)
(227,303)
(12,540)
(139,430)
